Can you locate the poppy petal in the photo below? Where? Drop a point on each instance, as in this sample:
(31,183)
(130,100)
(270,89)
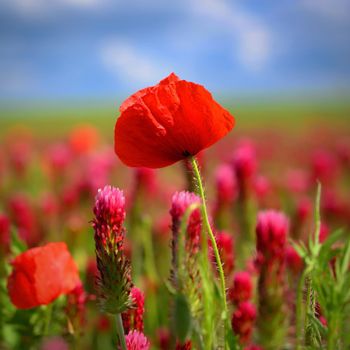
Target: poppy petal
(163,124)
(42,274)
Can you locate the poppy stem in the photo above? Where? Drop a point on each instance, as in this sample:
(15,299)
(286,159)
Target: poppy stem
(48,314)
(211,236)
(120,331)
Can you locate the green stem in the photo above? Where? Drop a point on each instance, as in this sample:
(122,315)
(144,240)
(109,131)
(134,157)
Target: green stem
(309,310)
(211,236)
(332,335)
(151,271)
(150,264)
(299,311)
(48,314)
(120,331)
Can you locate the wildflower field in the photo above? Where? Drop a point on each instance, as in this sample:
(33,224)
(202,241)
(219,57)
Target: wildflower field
(176,223)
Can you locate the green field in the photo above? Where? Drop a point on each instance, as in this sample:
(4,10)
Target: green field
(56,120)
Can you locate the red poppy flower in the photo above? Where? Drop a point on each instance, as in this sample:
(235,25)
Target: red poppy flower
(42,274)
(165,123)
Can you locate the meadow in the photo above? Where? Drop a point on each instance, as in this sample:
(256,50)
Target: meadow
(277,193)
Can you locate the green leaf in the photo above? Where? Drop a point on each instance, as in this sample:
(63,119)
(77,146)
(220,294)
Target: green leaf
(182,317)
(18,246)
(319,329)
(230,338)
(345,262)
(333,238)
(169,287)
(300,249)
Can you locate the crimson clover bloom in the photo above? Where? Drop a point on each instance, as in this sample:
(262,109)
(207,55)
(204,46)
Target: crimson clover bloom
(243,320)
(181,201)
(271,234)
(133,318)
(136,340)
(225,243)
(242,289)
(114,280)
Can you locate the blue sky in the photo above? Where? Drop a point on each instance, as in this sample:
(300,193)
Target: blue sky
(79,49)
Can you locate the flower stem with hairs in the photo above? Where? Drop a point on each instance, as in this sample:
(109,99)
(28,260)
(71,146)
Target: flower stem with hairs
(211,237)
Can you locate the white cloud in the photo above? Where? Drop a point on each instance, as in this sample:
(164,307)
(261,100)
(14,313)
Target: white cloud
(130,64)
(255,48)
(254,39)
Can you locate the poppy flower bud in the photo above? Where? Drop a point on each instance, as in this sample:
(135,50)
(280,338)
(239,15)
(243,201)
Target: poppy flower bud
(243,321)
(133,318)
(114,280)
(136,340)
(168,122)
(242,289)
(42,274)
